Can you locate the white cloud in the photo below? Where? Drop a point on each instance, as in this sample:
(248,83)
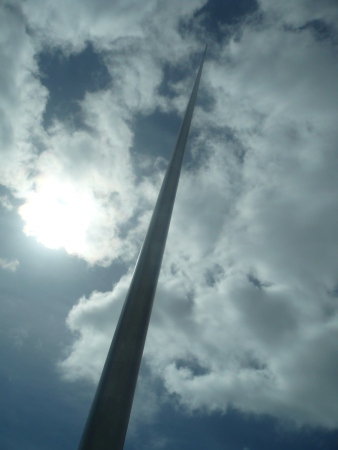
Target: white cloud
(9,264)
(84,190)
(6,203)
(302,11)
(71,23)
(78,186)
(86,318)
(22,102)
(246,308)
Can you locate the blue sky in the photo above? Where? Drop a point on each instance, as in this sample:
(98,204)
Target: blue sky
(242,349)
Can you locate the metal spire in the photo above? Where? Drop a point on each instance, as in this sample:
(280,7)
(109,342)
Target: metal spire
(108,419)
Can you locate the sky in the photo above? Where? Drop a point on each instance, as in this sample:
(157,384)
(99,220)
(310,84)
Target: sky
(242,348)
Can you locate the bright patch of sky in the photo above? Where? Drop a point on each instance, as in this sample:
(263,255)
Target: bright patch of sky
(242,348)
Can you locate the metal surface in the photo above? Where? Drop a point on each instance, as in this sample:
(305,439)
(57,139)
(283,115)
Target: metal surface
(108,419)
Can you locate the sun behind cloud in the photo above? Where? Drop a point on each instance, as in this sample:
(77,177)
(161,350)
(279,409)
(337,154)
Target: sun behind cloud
(59,215)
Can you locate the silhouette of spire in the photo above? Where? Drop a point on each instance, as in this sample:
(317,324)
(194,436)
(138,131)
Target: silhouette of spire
(108,419)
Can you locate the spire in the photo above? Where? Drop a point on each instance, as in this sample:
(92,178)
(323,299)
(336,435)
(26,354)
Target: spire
(108,419)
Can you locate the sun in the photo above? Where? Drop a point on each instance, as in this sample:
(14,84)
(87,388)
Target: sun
(58,215)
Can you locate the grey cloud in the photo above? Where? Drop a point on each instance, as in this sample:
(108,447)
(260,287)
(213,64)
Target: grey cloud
(22,102)
(99,312)
(99,160)
(270,213)
(302,11)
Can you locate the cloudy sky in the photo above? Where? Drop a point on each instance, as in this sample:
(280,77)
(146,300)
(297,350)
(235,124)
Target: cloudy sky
(242,349)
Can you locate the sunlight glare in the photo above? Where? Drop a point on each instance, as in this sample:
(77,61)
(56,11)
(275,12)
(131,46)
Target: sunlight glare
(58,215)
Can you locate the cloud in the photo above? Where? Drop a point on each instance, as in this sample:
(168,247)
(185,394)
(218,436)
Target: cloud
(86,319)
(71,24)
(22,102)
(84,216)
(9,264)
(300,12)
(6,203)
(246,305)
(78,185)
(19,337)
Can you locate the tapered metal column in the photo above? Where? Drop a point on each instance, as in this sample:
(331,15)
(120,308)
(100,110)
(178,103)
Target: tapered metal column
(108,419)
